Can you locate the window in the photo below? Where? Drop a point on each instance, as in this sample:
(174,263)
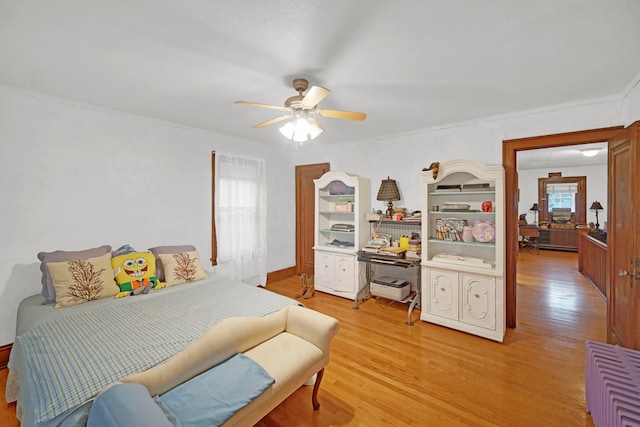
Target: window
(562,196)
(562,192)
(239,218)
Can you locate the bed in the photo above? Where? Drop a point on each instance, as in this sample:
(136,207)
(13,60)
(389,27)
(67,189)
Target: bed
(61,358)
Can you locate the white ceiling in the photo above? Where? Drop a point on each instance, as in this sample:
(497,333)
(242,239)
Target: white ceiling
(548,158)
(408,64)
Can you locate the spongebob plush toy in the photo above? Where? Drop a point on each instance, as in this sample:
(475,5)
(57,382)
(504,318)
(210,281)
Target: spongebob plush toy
(135,272)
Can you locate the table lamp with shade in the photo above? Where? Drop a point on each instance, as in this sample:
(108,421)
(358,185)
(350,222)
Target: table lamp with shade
(596,206)
(535,208)
(388,192)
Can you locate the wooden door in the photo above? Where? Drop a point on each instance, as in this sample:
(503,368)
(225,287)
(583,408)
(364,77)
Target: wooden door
(623,241)
(305,214)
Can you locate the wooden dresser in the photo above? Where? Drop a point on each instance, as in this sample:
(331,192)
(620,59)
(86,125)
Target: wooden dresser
(558,238)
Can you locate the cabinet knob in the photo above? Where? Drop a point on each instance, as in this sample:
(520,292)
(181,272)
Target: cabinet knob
(476,295)
(622,273)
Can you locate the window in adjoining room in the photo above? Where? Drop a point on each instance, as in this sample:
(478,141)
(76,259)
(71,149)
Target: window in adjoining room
(562,195)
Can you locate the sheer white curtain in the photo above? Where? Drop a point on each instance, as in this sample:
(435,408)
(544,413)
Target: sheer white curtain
(241,218)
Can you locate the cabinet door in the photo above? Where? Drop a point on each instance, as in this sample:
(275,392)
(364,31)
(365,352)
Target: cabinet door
(478,301)
(443,294)
(324,269)
(344,273)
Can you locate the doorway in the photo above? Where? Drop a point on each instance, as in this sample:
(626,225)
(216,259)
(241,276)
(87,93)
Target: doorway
(509,162)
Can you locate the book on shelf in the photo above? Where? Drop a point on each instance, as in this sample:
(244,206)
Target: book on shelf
(343,227)
(476,187)
(448,187)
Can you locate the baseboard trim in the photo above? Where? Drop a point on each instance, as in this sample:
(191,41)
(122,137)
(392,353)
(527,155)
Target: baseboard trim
(275,276)
(4,355)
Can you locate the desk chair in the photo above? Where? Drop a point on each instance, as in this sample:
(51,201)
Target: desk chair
(529,234)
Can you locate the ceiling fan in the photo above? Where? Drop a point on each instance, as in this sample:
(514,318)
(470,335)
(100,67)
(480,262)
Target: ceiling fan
(301,109)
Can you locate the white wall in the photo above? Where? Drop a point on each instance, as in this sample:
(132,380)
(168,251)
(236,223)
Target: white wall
(75,176)
(403,157)
(596,189)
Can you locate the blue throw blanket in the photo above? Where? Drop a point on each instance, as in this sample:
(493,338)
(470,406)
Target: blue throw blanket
(209,399)
(214,396)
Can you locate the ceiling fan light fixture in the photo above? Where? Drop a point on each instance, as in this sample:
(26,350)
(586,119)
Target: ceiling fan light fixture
(287,130)
(300,124)
(314,130)
(300,130)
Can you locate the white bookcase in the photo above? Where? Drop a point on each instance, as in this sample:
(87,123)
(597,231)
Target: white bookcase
(463,268)
(341,203)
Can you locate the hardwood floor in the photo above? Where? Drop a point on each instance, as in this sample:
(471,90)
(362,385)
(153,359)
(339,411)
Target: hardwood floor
(383,372)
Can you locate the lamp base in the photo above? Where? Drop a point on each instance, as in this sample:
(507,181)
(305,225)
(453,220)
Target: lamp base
(390,210)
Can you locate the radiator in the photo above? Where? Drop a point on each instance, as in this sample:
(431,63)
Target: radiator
(612,385)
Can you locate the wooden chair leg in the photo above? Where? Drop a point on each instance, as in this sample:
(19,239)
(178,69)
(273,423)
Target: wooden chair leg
(316,386)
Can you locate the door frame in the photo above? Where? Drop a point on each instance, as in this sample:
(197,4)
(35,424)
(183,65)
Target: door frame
(510,147)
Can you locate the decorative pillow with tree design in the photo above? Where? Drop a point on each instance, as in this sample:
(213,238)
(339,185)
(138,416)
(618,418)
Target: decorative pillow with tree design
(48,290)
(167,249)
(81,280)
(182,267)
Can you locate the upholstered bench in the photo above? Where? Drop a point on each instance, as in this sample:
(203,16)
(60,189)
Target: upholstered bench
(290,346)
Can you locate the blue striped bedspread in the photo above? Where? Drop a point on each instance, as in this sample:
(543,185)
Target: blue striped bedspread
(68,360)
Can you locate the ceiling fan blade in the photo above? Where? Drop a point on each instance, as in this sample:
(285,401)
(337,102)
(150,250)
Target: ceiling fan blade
(314,96)
(347,115)
(272,107)
(271,122)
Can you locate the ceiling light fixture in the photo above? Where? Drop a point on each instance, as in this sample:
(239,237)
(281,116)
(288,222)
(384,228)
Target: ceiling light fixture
(590,152)
(300,128)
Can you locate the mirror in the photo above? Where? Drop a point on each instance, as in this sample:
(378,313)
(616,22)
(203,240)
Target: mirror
(563,199)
